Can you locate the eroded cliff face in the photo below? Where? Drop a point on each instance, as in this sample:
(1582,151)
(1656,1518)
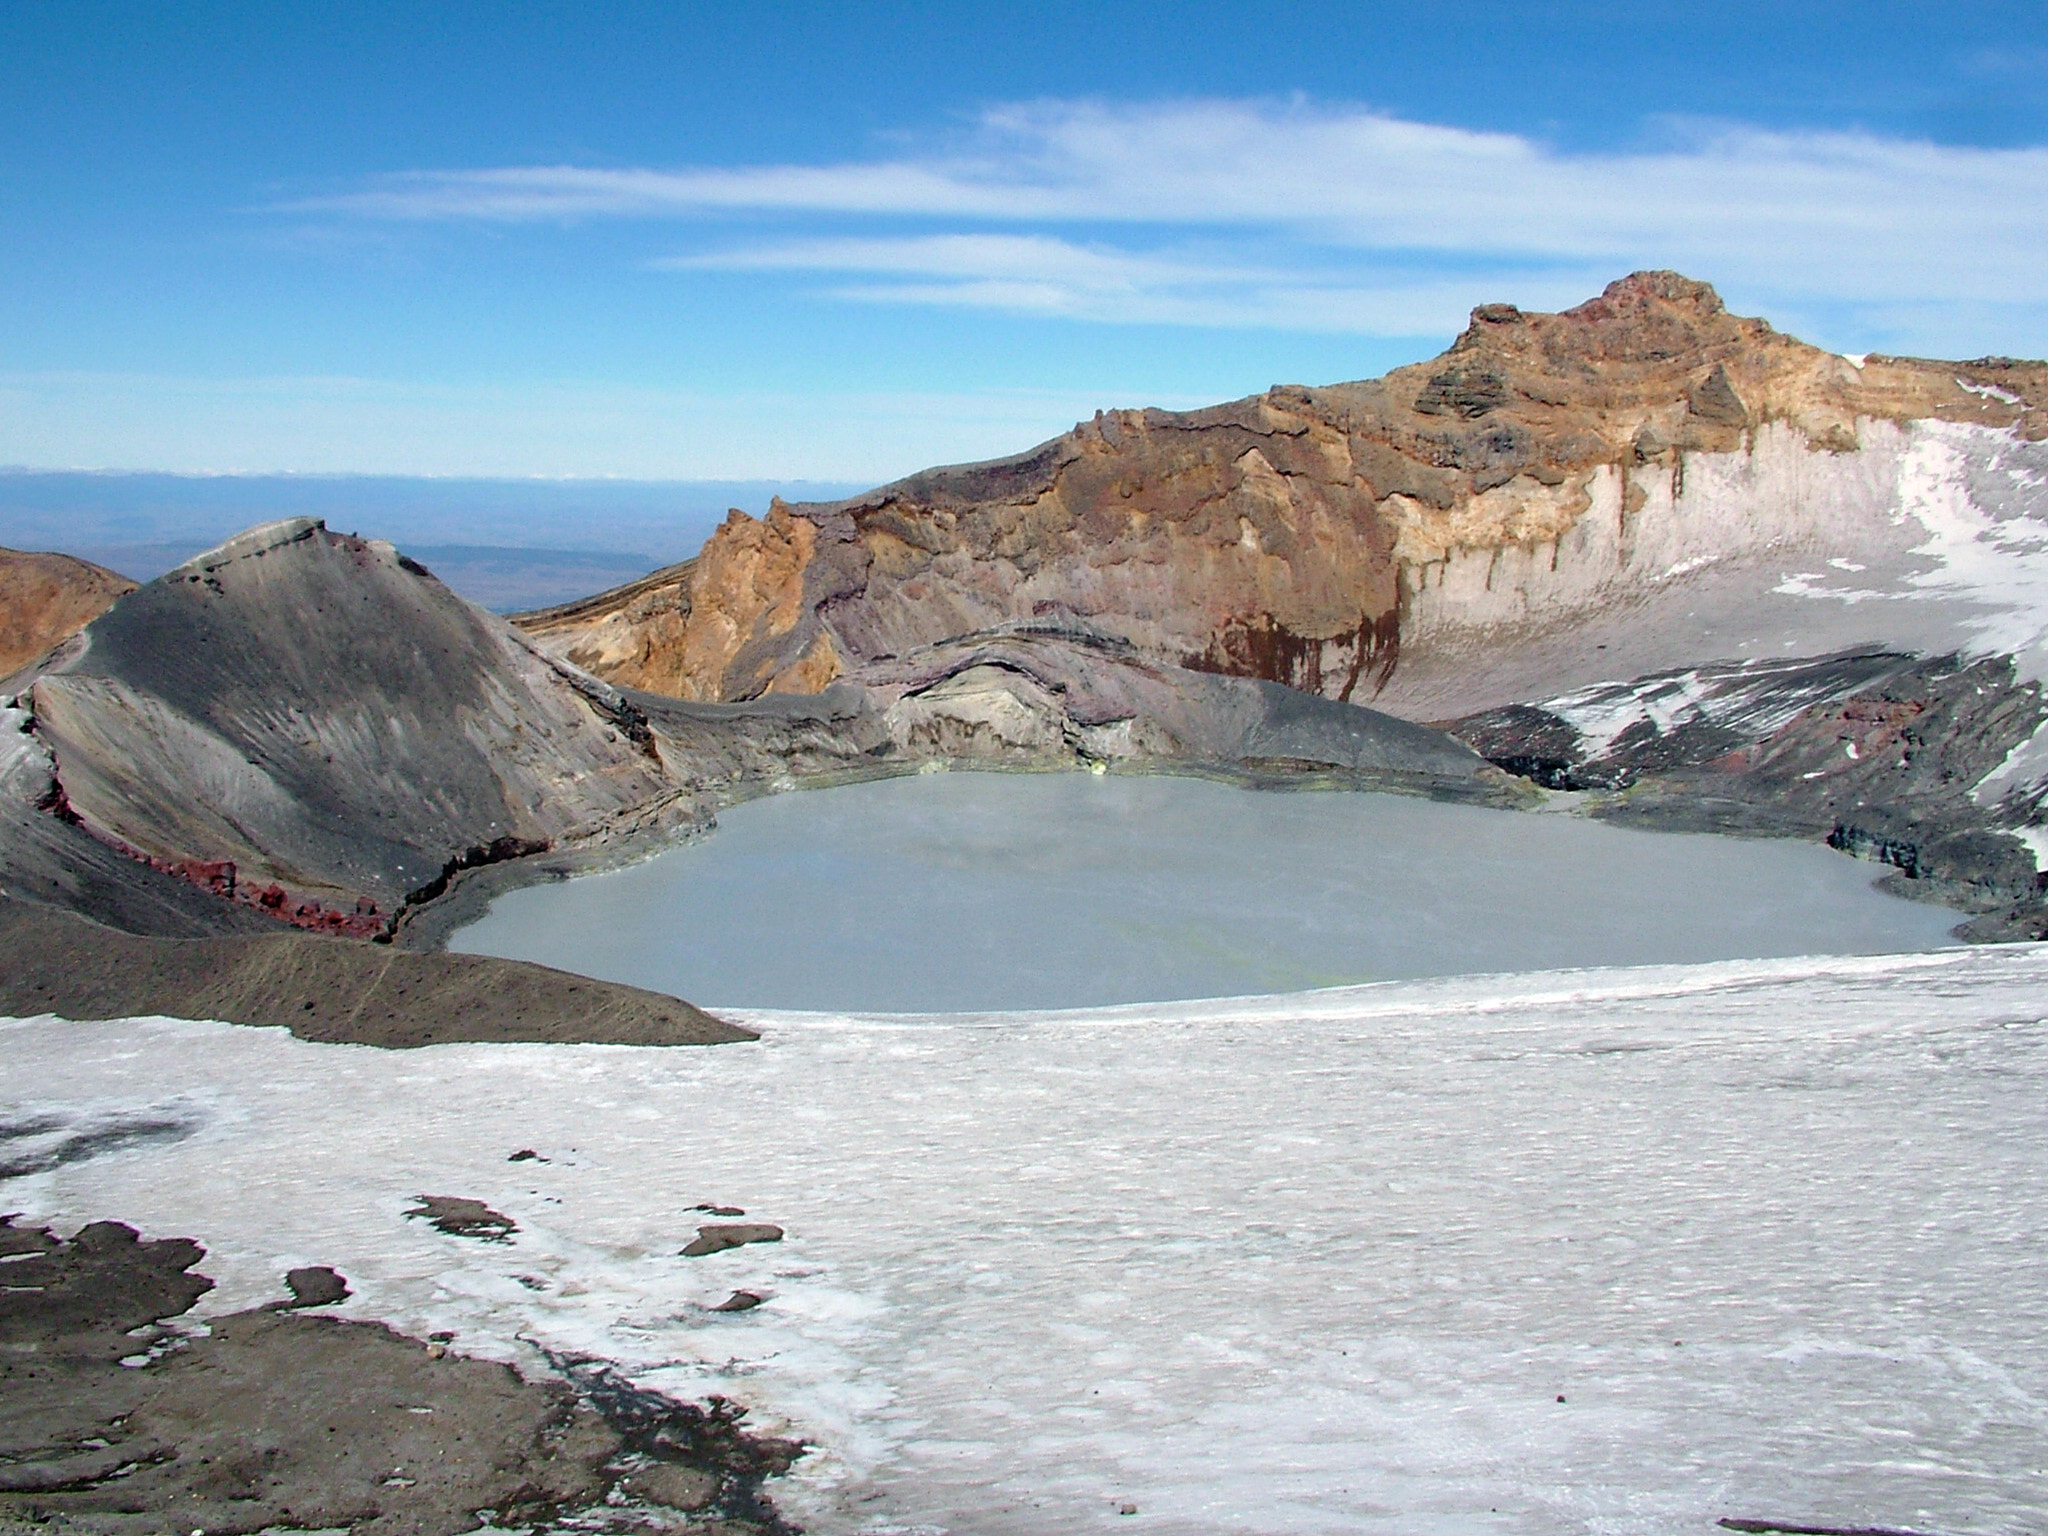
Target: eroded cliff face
(1399,541)
(738,610)
(45,600)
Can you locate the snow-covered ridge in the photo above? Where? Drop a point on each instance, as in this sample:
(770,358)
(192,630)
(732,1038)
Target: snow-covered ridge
(1309,1263)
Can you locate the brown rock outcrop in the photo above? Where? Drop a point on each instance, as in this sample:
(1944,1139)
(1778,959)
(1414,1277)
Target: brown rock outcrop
(45,600)
(326,989)
(1313,537)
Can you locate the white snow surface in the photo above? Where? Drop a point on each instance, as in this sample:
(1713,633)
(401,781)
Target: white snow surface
(1773,1231)
(2036,839)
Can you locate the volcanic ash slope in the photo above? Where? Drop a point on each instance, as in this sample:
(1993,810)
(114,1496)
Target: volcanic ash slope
(310,724)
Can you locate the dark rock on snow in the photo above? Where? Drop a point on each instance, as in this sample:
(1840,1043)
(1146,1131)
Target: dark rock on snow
(460,1216)
(280,1420)
(718,1237)
(315,1285)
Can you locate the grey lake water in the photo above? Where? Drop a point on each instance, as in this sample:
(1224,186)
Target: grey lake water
(953,892)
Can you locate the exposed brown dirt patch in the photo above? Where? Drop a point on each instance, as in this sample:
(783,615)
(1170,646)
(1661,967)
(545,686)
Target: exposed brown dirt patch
(46,599)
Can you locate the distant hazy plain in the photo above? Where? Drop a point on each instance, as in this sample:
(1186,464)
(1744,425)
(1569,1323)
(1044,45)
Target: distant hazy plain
(505,544)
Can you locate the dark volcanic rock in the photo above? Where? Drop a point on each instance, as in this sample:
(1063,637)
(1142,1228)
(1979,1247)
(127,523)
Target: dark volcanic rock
(720,1236)
(282,1421)
(314,1285)
(311,724)
(272,1420)
(82,1297)
(1872,752)
(326,989)
(460,1216)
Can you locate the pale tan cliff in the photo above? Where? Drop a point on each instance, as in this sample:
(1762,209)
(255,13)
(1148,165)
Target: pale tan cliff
(1379,541)
(45,600)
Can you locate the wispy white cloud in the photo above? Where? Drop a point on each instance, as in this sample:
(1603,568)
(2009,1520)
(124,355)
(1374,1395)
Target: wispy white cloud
(1848,217)
(1046,275)
(973,256)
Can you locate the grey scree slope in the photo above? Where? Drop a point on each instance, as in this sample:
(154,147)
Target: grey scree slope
(321,711)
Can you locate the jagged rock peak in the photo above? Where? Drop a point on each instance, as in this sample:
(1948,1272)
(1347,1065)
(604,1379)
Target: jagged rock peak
(1658,286)
(1646,318)
(1620,302)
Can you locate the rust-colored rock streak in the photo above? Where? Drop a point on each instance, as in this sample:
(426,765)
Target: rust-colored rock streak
(45,600)
(1303,535)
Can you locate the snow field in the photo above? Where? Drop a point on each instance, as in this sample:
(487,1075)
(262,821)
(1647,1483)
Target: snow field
(1772,1230)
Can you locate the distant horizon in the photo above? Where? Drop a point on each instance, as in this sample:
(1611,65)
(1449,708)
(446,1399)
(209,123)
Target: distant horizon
(128,471)
(508,542)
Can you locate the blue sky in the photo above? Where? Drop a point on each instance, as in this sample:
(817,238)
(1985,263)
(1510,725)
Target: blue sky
(843,242)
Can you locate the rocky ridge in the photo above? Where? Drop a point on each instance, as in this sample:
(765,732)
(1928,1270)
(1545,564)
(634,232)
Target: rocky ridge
(1357,541)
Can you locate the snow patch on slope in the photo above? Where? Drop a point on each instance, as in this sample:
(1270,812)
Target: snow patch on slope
(1964,511)
(1600,714)
(1980,495)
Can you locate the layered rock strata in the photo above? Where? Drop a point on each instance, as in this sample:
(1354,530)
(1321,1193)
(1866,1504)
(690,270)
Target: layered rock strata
(1386,541)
